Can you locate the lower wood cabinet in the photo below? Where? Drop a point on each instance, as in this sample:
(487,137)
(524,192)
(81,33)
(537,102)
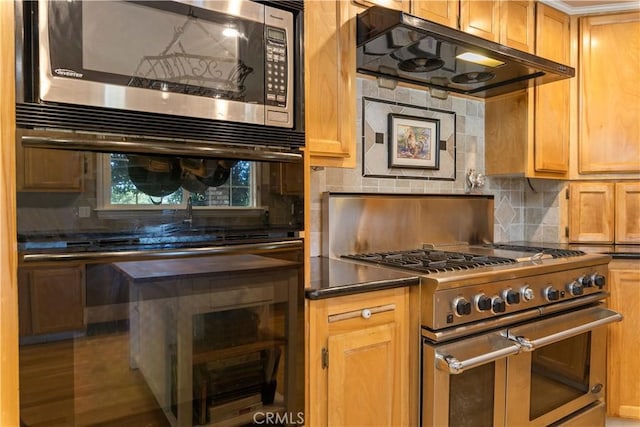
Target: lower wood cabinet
(51,299)
(360,361)
(623,395)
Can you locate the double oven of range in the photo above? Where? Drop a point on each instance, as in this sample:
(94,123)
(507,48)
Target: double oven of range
(512,335)
(160,249)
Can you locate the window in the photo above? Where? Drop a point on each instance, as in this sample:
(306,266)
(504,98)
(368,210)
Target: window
(146,182)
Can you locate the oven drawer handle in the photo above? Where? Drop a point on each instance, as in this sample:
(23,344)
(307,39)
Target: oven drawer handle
(596,317)
(452,365)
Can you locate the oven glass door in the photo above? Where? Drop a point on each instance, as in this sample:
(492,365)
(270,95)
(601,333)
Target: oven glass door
(564,369)
(463,381)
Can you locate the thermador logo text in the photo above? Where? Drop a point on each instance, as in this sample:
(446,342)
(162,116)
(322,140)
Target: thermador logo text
(67,73)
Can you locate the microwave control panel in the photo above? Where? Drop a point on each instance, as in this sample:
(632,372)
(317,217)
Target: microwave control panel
(276,67)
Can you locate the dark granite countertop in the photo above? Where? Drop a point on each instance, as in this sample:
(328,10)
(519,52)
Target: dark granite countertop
(332,277)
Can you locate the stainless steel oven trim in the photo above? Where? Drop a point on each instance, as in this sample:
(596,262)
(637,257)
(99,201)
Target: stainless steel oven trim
(548,331)
(76,91)
(158,146)
(163,254)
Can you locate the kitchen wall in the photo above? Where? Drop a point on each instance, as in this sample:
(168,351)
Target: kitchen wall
(524,210)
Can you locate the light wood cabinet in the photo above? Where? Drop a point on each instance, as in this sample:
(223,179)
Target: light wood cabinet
(360,360)
(330,71)
(623,393)
(609,107)
(51,299)
(527,132)
(627,214)
(604,212)
(443,12)
(509,22)
(49,170)
(403,5)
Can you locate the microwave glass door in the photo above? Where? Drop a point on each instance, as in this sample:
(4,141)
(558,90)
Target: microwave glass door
(167,46)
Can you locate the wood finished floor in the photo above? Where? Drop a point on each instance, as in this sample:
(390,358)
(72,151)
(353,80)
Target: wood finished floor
(84,382)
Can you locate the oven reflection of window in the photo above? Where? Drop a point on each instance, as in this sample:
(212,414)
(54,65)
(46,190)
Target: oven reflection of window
(470,401)
(119,192)
(559,374)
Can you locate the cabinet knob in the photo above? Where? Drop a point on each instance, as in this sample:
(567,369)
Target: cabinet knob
(366,313)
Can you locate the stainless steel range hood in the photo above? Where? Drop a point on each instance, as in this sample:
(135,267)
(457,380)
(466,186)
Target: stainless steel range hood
(399,46)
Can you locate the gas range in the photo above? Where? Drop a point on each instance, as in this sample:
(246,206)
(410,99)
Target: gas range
(477,287)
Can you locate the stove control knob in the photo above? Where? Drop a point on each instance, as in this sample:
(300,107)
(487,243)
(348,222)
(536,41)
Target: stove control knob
(498,305)
(461,306)
(483,302)
(585,281)
(527,293)
(598,280)
(551,294)
(511,296)
(575,288)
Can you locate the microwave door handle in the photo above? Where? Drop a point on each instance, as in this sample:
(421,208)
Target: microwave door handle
(593,318)
(452,365)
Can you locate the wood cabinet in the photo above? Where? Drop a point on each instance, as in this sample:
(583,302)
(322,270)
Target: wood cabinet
(609,99)
(403,5)
(360,360)
(510,23)
(623,395)
(443,12)
(330,71)
(527,132)
(49,170)
(51,299)
(604,212)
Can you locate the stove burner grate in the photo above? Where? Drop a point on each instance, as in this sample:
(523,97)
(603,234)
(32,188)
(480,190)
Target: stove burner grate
(430,261)
(553,252)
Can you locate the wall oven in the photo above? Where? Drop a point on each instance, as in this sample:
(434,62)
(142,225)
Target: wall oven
(160,282)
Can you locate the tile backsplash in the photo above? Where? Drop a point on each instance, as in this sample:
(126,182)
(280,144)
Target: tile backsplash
(524,210)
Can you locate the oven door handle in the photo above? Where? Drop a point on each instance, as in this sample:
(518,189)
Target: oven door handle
(458,357)
(557,328)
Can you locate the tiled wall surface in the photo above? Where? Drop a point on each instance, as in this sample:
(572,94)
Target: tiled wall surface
(523,210)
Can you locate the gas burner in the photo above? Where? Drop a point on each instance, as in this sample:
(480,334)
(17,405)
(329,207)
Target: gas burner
(430,261)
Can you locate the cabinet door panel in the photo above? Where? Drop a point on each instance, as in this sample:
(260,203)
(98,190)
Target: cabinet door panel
(443,12)
(623,396)
(518,27)
(591,212)
(480,18)
(391,4)
(609,139)
(57,300)
(628,212)
(362,377)
(551,151)
(50,170)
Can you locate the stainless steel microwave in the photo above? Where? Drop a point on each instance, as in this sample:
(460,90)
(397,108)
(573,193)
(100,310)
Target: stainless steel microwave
(221,60)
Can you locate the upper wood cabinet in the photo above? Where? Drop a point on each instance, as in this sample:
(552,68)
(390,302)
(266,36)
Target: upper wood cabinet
(359,360)
(443,12)
(330,71)
(404,5)
(49,170)
(604,212)
(527,132)
(627,214)
(609,95)
(509,22)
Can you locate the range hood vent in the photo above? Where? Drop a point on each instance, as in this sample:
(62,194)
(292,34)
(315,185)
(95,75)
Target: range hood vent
(395,45)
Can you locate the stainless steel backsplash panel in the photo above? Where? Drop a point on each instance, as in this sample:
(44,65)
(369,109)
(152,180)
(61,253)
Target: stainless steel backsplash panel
(361,222)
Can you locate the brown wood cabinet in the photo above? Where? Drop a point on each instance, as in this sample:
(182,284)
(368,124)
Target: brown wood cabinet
(49,170)
(51,299)
(527,132)
(360,360)
(403,5)
(604,212)
(623,395)
(609,107)
(330,72)
(443,12)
